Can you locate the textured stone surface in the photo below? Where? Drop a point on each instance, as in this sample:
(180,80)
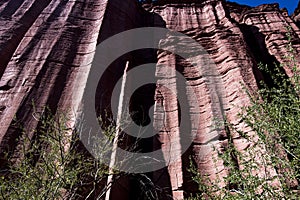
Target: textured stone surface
(47,46)
(296,15)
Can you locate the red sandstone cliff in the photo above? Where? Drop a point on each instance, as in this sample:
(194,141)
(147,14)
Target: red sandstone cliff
(296,15)
(47,46)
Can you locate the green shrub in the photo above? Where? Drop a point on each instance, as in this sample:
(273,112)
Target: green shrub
(53,166)
(274,114)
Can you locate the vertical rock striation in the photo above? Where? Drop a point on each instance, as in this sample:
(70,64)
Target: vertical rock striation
(47,47)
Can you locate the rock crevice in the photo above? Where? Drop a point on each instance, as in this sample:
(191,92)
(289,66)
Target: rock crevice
(47,47)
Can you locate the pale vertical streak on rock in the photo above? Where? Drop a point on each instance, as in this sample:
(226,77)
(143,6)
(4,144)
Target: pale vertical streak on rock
(116,136)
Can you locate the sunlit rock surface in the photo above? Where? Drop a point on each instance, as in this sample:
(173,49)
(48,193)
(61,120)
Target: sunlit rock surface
(47,46)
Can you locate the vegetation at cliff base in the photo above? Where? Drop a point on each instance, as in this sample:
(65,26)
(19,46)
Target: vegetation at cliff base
(274,115)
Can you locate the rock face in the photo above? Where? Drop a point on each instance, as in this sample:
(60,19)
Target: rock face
(47,46)
(296,15)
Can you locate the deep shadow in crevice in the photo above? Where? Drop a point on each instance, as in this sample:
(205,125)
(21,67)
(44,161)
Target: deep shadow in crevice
(189,186)
(131,15)
(256,42)
(140,103)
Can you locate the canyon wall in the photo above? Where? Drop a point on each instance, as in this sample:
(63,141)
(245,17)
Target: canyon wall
(47,48)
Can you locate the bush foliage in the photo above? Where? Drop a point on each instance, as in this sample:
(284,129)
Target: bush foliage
(274,114)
